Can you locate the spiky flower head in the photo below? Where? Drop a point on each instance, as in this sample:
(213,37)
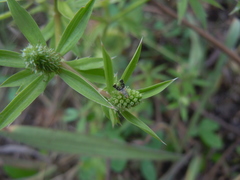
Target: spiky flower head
(41,59)
(125,99)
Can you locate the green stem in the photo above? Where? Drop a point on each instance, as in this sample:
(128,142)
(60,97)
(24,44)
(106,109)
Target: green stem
(57,23)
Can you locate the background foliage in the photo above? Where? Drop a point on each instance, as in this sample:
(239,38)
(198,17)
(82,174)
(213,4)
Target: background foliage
(197,116)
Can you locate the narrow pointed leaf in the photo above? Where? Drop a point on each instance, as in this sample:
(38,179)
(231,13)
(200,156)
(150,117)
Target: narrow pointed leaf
(155,89)
(133,63)
(11,59)
(86,63)
(199,12)
(19,78)
(181,8)
(214,3)
(76,143)
(93,75)
(108,69)
(75,29)
(83,87)
(22,101)
(26,23)
(137,122)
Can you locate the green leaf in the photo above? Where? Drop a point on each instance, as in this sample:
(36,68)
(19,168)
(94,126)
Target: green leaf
(83,87)
(108,69)
(26,23)
(236,9)
(148,170)
(155,89)
(199,11)
(113,117)
(82,144)
(118,165)
(194,168)
(214,3)
(233,33)
(19,78)
(75,29)
(22,101)
(86,63)
(93,75)
(11,59)
(130,8)
(181,9)
(137,122)
(133,63)
(65,10)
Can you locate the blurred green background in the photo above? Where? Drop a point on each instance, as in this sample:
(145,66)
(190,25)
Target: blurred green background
(197,116)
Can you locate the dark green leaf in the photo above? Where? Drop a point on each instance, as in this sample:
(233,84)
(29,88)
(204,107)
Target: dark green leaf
(148,170)
(137,122)
(83,87)
(155,89)
(133,63)
(11,59)
(108,69)
(75,29)
(76,143)
(22,101)
(26,23)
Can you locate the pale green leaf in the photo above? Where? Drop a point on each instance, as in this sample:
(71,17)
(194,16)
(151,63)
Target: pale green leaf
(19,78)
(76,143)
(26,23)
(137,122)
(108,69)
(83,87)
(22,101)
(11,59)
(133,63)
(65,10)
(236,9)
(181,9)
(155,89)
(194,168)
(233,33)
(75,29)
(86,63)
(199,11)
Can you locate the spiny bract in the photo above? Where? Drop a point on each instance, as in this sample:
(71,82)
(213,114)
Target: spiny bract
(122,101)
(41,59)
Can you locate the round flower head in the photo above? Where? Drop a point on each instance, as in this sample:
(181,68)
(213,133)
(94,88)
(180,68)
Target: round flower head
(125,98)
(41,59)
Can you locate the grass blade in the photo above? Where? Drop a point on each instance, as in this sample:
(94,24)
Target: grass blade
(137,122)
(19,78)
(108,69)
(76,143)
(11,59)
(155,89)
(133,63)
(83,87)
(86,63)
(22,101)
(75,29)
(181,9)
(26,23)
